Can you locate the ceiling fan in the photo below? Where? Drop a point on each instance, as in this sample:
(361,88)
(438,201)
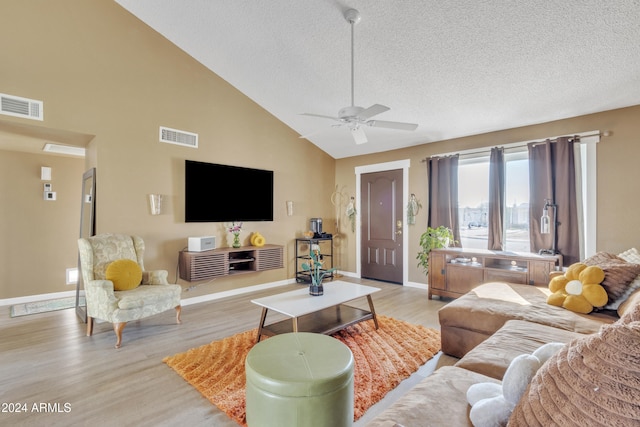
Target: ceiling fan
(355,117)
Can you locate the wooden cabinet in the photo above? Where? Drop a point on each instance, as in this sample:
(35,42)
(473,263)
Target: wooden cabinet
(195,266)
(455,271)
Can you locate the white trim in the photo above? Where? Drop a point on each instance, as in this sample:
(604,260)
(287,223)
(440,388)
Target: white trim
(349,274)
(35,298)
(417,285)
(185,301)
(235,292)
(381,167)
(590,189)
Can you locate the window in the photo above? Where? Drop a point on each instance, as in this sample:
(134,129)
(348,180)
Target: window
(473,201)
(516,217)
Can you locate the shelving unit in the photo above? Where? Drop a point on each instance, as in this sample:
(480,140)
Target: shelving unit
(196,266)
(455,271)
(302,255)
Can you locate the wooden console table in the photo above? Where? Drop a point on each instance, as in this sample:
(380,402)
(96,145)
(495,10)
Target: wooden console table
(455,271)
(206,265)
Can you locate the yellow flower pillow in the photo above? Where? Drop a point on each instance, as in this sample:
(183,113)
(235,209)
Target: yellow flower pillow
(578,289)
(125,274)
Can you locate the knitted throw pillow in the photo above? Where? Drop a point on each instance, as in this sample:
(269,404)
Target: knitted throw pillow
(618,273)
(592,381)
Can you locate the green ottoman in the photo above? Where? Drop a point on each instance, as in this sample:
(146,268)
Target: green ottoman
(299,379)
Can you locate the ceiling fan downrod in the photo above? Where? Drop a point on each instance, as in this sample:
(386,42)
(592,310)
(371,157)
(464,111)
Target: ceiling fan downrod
(353,17)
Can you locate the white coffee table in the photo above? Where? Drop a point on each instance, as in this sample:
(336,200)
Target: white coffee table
(324,314)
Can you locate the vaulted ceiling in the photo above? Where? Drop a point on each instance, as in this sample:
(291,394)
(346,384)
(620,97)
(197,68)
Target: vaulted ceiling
(455,68)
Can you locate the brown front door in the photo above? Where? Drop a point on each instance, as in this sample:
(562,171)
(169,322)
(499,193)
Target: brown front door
(382,223)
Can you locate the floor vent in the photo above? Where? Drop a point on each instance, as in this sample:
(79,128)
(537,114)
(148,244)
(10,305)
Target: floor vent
(21,107)
(179,137)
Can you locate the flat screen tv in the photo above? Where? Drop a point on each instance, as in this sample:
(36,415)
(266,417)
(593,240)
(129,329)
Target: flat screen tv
(222,193)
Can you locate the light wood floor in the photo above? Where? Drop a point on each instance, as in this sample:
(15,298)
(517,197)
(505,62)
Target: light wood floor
(46,359)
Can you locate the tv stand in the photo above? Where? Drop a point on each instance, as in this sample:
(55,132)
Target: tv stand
(196,266)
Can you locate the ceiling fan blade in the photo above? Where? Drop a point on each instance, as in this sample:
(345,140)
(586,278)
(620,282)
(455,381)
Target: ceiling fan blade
(392,125)
(320,115)
(372,111)
(358,135)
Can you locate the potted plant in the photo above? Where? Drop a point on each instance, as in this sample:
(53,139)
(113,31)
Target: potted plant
(440,237)
(314,267)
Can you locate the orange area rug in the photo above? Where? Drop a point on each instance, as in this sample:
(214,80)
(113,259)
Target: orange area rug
(383,358)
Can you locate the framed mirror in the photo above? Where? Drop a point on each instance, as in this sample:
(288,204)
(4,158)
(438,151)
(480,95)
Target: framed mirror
(87,229)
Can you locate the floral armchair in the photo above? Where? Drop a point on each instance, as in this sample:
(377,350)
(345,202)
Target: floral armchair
(153,295)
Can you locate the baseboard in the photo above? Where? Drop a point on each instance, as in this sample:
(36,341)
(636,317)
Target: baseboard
(188,301)
(185,301)
(340,273)
(234,292)
(35,298)
(408,284)
(417,285)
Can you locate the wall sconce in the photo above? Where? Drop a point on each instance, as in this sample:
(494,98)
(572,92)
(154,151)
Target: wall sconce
(289,208)
(545,226)
(155,204)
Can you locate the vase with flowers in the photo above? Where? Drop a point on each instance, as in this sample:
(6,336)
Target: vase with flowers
(316,272)
(235,229)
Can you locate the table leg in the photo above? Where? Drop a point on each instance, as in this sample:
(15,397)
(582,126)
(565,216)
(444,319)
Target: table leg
(295,324)
(263,317)
(372,310)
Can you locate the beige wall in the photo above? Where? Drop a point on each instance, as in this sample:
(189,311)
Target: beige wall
(617,175)
(37,237)
(101,72)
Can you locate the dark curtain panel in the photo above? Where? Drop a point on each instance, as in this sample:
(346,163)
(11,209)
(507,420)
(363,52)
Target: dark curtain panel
(442,173)
(496,199)
(552,177)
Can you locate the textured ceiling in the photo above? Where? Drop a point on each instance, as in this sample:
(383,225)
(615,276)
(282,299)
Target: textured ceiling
(456,68)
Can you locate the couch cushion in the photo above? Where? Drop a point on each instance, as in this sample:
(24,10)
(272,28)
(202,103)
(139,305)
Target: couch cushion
(482,311)
(150,295)
(488,306)
(438,400)
(516,337)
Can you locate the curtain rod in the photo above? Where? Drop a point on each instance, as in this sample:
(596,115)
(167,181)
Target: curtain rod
(519,144)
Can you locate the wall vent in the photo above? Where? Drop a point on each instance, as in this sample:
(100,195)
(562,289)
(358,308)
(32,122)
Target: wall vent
(21,107)
(179,137)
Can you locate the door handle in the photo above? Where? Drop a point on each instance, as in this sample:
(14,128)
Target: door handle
(398,227)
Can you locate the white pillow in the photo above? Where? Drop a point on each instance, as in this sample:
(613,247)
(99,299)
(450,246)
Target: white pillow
(630,255)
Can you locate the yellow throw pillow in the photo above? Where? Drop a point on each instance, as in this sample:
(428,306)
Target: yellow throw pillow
(125,274)
(578,289)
